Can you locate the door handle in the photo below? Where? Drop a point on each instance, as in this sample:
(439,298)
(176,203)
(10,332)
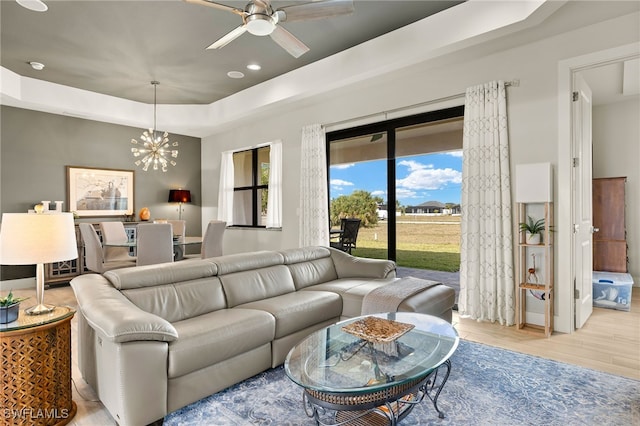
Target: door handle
(594,230)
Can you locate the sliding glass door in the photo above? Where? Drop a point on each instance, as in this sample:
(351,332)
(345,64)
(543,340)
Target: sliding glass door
(428,177)
(358,189)
(411,169)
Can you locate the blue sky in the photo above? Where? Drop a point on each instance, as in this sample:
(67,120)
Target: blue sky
(420,178)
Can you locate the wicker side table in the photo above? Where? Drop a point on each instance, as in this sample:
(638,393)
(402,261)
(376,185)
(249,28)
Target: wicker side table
(35,360)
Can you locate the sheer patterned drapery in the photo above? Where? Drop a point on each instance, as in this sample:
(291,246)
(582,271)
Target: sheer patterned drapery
(274,198)
(314,209)
(225,188)
(486,257)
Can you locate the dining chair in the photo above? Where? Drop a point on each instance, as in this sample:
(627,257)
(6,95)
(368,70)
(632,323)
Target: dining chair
(349,228)
(179,227)
(154,243)
(114,233)
(93,253)
(212,239)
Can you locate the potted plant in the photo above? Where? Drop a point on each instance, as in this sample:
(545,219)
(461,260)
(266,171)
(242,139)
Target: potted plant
(533,230)
(10,307)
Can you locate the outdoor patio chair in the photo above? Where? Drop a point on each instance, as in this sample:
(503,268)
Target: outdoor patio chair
(348,235)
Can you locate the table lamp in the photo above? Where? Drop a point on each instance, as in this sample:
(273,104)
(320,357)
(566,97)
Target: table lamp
(179,196)
(37,238)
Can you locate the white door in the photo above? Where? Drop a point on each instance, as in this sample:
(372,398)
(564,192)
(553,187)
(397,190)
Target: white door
(582,200)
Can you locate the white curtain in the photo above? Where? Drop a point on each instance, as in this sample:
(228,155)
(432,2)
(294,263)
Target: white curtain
(225,191)
(314,209)
(274,199)
(486,270)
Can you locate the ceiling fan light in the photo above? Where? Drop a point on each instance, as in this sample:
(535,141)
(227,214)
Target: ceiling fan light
(260,25)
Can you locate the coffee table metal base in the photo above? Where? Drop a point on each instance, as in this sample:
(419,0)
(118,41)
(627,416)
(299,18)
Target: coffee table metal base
(384,407)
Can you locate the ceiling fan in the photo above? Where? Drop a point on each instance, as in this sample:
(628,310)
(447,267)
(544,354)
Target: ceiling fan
(259,18)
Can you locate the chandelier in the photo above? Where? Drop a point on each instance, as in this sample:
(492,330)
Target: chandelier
(155,147)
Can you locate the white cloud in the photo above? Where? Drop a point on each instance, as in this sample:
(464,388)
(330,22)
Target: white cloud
(455,153)
(422,176)
(343,166)
(403,193)
(340,182)
(414,165)
(379,193)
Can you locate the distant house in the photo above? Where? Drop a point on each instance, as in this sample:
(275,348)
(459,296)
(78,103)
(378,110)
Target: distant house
(383,213)
(433,207)
(426,207)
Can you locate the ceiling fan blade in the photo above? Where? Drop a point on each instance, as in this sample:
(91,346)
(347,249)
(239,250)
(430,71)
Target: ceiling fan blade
(229,37)
(289,42)
(215,5)
(315,10)
(263,3)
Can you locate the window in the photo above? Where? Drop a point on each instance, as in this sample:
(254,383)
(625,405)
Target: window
(251,186)
(401,162)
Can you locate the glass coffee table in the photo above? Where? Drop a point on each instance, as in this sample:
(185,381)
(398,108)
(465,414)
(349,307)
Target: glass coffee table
(372,370)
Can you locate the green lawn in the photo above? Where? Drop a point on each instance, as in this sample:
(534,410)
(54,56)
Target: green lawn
(422,242)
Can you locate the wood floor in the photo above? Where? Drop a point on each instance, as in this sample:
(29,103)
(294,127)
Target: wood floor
(609,342)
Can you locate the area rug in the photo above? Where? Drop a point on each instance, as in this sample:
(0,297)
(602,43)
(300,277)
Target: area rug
(487,386)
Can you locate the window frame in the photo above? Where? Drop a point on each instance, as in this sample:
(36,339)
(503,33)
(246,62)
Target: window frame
(255,186)
(389,127)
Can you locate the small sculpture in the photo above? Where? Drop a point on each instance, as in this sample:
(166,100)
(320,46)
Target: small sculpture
(144,214)
(532,277)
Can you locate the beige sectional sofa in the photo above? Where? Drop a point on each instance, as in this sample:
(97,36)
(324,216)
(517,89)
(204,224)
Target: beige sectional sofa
(155,338)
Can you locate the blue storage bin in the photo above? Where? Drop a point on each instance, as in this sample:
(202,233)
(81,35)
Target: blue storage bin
(612,290)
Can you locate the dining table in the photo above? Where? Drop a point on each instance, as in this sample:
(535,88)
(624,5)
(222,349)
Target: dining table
(179,244)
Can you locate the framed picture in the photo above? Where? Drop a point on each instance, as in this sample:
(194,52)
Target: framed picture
(99,192)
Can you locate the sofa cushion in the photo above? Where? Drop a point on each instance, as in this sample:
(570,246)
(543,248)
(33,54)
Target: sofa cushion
(179,301)
(312,272)
(298,310)
(352,298)
(248,286)
(246,261)
(348,266)
(164,273)
(217,336)
(304,254)
(340,286)
(113,316)
(309,266)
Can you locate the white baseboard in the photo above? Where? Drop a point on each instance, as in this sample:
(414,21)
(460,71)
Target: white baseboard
(18,284)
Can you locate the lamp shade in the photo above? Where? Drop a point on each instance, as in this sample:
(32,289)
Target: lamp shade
(28,239)
(179,196)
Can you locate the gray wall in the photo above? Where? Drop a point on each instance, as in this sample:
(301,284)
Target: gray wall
(35,147)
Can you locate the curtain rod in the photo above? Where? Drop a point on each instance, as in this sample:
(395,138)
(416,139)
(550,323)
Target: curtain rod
(510,83)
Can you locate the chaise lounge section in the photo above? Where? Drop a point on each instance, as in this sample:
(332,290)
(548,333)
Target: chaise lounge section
(153,339)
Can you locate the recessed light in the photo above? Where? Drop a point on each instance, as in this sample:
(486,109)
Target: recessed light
(235,74)
(35,5)
(254,67)
(36,66)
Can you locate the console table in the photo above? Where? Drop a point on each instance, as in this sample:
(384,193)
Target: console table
(66,270)
(35,354)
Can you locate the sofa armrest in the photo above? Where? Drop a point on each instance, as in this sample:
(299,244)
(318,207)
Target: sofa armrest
(114,316)
(348,266)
